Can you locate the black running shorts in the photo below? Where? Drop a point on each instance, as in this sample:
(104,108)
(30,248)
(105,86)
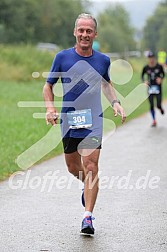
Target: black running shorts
(71,144)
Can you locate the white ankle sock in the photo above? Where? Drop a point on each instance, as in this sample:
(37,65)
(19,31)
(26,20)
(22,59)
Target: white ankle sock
(87,213)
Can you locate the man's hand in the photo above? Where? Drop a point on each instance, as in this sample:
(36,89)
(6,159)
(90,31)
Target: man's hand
(51,116)
(119,110)
(146,83)
(158,80)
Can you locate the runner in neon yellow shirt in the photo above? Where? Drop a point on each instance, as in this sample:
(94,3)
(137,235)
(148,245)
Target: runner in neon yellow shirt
(162,57)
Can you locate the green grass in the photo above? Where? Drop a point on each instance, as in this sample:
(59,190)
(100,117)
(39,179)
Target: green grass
(17,63)
(19,130)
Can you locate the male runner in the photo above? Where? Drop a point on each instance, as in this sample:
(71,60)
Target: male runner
(155,74)
(83,72)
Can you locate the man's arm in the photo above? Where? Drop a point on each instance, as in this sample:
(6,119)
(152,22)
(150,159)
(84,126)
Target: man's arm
(143,73)
(161,76)
(162,73)
(51,112)
(110,94)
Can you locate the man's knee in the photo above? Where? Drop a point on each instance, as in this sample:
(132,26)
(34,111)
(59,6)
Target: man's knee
(72,167)
(91,167)
(75,169)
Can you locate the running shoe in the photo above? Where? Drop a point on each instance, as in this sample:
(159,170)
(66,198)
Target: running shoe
(162,111)
(154,124)
(87,226)
(82,198)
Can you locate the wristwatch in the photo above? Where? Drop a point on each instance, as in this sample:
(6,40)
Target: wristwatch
(115,101)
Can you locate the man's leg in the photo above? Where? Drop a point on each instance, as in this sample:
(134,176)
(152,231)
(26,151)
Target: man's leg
(151,100)
(90,164)
(74,164)
(159,101)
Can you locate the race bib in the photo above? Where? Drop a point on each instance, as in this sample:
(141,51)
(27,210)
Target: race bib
(154,89)
(79,119)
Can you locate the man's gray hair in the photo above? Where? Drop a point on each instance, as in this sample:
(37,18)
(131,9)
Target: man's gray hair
(86,16)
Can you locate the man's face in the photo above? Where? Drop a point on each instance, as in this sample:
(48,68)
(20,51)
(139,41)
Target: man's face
(85,33)
(151,60)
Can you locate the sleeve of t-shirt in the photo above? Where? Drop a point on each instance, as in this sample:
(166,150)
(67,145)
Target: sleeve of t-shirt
(106,75)
(143,73)
(55,70)
(162,73)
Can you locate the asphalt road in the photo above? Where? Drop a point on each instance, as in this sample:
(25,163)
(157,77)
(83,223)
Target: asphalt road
(39,213)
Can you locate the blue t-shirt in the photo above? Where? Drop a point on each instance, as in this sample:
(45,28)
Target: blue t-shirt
(81,79)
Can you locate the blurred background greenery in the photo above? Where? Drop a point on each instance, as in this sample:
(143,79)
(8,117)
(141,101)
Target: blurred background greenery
(31,21)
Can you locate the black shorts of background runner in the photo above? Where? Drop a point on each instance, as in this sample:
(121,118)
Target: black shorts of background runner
(71,144)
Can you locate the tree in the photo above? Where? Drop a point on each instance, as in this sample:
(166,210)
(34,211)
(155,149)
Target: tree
(154,33)
(115,33)
(18,19)
(34,21)
(162,42)
(57,21)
